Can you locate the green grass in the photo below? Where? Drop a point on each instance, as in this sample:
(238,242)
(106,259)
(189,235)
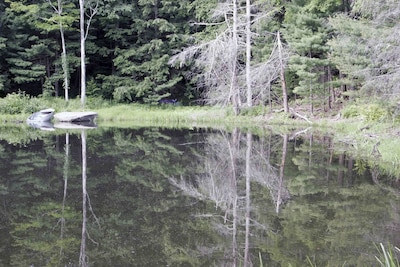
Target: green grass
(123,113)
(175,116)
(387,257)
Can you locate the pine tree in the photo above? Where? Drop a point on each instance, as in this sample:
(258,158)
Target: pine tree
(365,49)
(141,61)
(306,31)
(30,49)
(3,49)
(60,17)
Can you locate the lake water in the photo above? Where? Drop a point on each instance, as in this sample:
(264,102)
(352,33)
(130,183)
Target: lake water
(189,197)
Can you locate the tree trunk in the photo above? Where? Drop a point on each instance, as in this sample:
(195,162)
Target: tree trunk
(83,53)
(248,54)
(64,62)
(234,85)
(282,74)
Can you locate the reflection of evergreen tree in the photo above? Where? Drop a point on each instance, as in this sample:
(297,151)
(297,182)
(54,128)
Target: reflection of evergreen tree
(30,203)
(140,212)
(334,218)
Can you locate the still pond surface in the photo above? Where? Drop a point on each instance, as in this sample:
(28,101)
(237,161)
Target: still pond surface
(193,197)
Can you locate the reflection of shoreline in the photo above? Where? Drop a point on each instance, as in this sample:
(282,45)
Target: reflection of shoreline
(75,125)
(49,126)
(42,125)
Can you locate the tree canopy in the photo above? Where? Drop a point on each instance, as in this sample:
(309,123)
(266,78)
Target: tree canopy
(337,48)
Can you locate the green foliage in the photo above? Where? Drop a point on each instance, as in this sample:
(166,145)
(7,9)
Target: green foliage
(306,32)
(21,103)
(370,112)
(351,111)
(129,46)
(141,61)
(254,111)
(14,103)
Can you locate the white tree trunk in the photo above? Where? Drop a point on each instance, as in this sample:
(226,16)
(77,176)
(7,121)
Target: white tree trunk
(249,94)
(234,84)
(59,10)
(64,62)
(83,53)
(282,74)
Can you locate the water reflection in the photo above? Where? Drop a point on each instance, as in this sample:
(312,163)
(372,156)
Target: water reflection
(49,126)
(234,162)
(164,197)
(42,125)
(83,261)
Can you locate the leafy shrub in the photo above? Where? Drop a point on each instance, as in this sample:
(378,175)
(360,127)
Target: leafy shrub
(14,103)
(97,102)
(21,103)
(371,112)
(374,112)
(253,111)
(351,111)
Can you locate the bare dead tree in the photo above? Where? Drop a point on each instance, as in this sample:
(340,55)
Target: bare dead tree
(93,9)
(224,76)
(249,93)
(282,74)
(267,72)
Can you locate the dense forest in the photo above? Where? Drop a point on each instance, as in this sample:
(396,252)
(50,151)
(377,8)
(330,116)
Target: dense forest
(230,52)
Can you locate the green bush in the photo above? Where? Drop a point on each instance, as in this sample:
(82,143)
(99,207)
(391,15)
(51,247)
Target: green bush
(14,103)
(371,112)
(374,112)
(253,111)
(351,111)
(21,103)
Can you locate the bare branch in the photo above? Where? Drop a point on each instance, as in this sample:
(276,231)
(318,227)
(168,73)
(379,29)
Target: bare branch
(92,12)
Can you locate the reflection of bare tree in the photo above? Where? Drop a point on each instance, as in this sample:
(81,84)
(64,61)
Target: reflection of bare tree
(83,260)
(248,200)
(264,173)
(82,256)
(65,177)
(231,163)
(219,183)
(280,191)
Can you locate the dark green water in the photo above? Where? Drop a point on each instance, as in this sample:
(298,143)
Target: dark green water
(164,197)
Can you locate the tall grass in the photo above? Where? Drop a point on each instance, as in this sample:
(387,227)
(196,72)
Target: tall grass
(170,115)
(387,257)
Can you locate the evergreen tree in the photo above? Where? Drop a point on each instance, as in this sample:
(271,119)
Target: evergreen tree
(29,53)
(3,50)
(141,61)
(60,17)
(306,31)
(365,48)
